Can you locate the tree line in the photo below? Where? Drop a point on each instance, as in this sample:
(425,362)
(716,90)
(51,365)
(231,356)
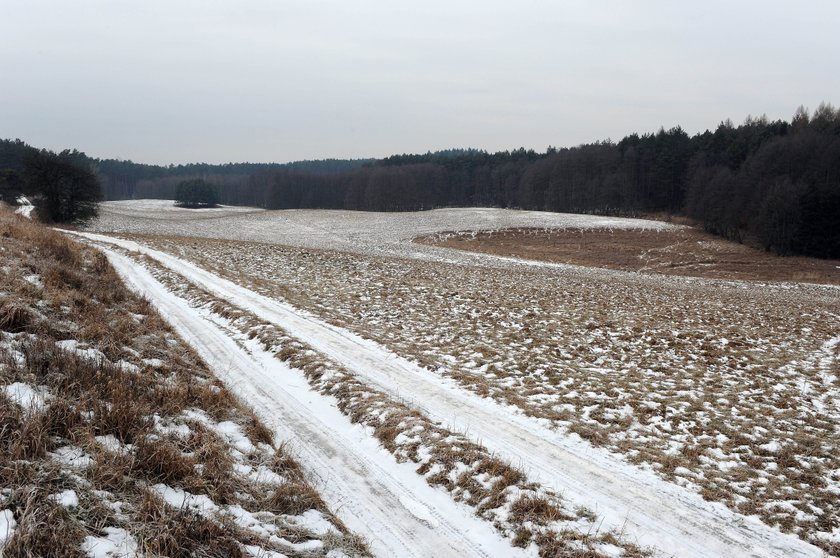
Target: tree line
(64,187)
(775,183)
(129,180)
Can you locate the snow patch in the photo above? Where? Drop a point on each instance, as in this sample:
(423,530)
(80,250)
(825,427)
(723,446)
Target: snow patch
(72,456)
(420,511)
(25,396)
(117,543)
(7,526)
(67,499)
(25,207)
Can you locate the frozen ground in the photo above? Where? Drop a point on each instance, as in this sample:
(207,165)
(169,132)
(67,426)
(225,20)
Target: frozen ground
(385,501)
(356,231)
(433,394)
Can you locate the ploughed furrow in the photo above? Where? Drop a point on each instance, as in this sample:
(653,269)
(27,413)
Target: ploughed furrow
(647,509)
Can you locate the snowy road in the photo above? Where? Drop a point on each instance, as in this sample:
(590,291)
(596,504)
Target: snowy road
(646,508)
(386,502)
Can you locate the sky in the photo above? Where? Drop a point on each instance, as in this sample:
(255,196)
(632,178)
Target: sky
(274,81)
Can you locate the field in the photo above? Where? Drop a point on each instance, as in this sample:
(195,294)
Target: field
(714,399)
(683,251)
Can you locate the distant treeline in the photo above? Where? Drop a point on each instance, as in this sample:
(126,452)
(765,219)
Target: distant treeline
(772,182)
(776,183)
(129,180)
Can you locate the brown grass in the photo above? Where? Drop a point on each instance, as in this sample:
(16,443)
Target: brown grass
(687,251)
(163,531)
(14,318)
(291,499)
(44,527)
(78,296)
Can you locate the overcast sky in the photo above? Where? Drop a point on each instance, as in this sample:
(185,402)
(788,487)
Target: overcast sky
(265,80)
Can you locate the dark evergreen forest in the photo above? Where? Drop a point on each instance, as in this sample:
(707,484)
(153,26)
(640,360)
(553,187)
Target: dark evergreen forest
(65,187)
(775,183)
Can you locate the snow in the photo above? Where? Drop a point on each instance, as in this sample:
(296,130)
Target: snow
(25,207)
(258,552)
(366,488)
(646,508)
(110,443)
(25,396)
(233,433)
(680,405)
(354,231)
(420,511)
(180,499)
(81,350)
(314,521)
(67,498)
(166,209)
(72,456)
(34,279)
(153,362)
(773,446)
(117,543)
(7,527)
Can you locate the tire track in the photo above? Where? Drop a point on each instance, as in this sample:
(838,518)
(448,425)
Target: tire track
(649,510)
(386,502)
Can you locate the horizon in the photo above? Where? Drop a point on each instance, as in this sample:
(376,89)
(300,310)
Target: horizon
(808,109)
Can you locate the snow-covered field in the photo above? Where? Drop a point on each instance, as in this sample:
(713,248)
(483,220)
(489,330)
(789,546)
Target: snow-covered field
(356,231)
(693,389)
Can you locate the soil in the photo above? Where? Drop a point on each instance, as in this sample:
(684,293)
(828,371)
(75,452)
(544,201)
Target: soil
(686,251)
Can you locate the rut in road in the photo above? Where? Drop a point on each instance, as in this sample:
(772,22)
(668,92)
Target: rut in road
(386,502)
(650,510)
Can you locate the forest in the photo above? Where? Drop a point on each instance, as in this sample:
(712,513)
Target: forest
(771,183)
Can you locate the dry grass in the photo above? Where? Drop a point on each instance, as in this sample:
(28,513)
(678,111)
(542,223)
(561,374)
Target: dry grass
(112,418)
(181,534)
(44,527)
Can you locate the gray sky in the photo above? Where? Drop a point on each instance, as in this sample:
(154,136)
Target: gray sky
(260,80)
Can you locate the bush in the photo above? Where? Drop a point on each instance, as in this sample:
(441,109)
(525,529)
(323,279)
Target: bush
(63,187)
(196,194)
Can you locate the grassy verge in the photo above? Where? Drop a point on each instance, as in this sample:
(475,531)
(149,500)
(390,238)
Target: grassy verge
(115,436)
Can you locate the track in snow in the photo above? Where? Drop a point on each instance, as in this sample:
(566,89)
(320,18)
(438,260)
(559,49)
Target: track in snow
(647,509)
(386,502)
